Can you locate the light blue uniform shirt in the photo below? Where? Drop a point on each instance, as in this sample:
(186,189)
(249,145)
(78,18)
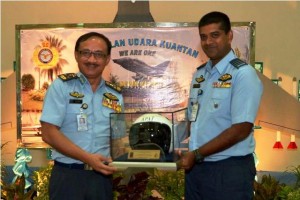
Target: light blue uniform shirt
(220,107)
(61,109)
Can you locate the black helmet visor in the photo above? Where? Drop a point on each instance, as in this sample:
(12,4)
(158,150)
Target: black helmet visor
(150,132)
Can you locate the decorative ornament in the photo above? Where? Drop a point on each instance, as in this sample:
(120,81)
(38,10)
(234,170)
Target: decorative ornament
(292,144)
(49,153)
(278,144)
(294,90)
(22,158)
(44,56)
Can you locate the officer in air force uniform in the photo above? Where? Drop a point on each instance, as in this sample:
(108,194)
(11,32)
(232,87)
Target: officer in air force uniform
(217,101)
(70,100)
(83,117)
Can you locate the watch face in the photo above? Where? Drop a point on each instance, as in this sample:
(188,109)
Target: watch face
(45,55)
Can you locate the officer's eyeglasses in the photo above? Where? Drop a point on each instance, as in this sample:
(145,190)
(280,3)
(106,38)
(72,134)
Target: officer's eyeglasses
(97,54)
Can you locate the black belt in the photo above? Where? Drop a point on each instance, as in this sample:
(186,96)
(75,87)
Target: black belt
(73,165)
(232,158)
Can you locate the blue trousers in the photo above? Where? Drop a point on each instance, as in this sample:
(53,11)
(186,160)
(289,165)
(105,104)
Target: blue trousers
(78,184)
(229,179)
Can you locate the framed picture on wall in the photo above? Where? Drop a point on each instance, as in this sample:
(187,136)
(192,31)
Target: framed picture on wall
(45,51)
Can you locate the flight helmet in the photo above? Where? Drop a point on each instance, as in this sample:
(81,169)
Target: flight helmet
(151,131)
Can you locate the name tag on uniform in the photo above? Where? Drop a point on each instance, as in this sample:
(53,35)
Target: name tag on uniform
(82,122)
(75,101)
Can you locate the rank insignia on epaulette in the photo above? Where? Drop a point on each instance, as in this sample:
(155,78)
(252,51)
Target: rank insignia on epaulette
(237,63)
(225,77)
(76,94)
(68,76)
(203,65)
(113,86)
(111,96)
(200,79)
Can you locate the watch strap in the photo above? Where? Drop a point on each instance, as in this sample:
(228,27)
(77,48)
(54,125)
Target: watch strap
(198,157)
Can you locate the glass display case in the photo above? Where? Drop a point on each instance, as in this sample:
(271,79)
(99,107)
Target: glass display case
(148,139)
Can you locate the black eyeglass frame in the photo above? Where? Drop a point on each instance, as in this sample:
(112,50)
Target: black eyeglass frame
(87,54)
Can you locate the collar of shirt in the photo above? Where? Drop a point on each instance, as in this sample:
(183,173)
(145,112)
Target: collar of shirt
(221,65)
(84,80)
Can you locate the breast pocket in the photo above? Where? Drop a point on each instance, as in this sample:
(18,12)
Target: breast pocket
(70,121)
(73,108)
(106,111)
(72,111)
(220,99)
(221,93)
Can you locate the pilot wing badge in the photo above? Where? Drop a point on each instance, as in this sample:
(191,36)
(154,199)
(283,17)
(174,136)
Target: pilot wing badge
(142,70)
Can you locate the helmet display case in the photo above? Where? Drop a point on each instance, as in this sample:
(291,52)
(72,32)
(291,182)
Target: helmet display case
(148,139)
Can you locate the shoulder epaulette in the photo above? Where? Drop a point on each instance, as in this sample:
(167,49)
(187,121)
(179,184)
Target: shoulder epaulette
(237,63)
(201,66)
(113,86)
(68,76)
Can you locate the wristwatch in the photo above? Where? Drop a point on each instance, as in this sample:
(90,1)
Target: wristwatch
(198,157)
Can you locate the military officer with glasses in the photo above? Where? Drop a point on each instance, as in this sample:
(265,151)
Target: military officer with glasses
(97,54)
(75,123)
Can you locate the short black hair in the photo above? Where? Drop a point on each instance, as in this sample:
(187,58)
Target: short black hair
(216,17)
(93,34)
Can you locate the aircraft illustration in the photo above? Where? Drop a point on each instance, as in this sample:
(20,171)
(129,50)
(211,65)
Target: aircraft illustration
(143,71)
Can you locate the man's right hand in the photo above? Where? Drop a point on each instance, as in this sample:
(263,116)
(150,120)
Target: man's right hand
(101,164)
